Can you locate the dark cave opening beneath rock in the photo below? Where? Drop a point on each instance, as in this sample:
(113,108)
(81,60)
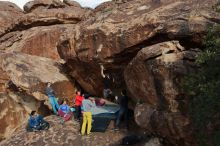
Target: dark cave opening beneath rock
(28,100)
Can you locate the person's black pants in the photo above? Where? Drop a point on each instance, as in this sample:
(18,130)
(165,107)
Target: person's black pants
(78,112)
(123,113)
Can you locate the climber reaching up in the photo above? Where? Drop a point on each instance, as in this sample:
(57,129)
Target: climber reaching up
(52,98)
(106,83)
(107,91)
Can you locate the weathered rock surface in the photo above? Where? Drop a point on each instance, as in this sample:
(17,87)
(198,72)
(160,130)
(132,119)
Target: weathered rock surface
(31,73)
(9,13)
(166,124)
(146,46)
(23,87)
(58,134)
(15,108)
(11,116)
(38,4)
(71,3)
(88,75)
(38,41)
(3,81)
(109,35)
(26,77)
(41,13)
(65,15)
(154,76)
(109,38)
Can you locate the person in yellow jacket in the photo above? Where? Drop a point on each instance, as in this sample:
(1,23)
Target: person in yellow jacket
(87,105)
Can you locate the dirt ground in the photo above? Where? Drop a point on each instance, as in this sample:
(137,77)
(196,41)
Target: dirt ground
(69,135)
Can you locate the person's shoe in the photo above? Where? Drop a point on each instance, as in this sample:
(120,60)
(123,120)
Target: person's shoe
(62,122)
(116,129)
(35,130)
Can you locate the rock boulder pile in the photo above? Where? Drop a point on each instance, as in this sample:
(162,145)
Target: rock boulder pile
(146,46)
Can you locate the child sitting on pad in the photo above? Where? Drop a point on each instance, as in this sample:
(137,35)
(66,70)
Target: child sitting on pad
(64,111)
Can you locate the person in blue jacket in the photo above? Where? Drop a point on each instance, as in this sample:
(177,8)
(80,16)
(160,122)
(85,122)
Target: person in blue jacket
(52,98)
(65,112)
(36,122)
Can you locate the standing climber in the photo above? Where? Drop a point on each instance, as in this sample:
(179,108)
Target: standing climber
(52,98)
(78,104)
(123,112)
(87,104)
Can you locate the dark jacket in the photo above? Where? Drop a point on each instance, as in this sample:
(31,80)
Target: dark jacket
(34,122)
(123,102)
(107,83)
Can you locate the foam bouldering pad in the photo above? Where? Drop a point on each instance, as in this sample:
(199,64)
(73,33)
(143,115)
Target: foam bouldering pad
(100,124)
(106,109)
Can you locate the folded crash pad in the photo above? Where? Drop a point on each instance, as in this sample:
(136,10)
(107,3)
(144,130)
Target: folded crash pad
(106,109)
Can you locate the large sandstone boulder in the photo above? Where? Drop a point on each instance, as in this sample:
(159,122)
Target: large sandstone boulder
(88,75)
(31,73)
(174,127)
(9,13)
(71,3)
(23,81)
(40,13)
(129,39)
(15,109)
(154,76)
(120,31)
(12,115)
(114,34)
(38,41)
(38,4)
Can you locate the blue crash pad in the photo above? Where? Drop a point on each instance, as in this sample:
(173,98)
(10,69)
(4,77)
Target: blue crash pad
(108,111)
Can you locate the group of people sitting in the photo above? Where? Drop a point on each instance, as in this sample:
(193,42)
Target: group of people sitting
(83,106)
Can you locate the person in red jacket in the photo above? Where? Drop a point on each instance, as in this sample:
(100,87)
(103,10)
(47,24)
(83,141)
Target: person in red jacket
(78,103)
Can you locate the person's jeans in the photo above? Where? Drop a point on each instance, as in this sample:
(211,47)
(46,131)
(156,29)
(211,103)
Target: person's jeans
(87,120)
(123,112)
(54,104)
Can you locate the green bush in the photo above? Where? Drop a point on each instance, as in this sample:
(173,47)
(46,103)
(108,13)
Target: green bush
(203,88)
